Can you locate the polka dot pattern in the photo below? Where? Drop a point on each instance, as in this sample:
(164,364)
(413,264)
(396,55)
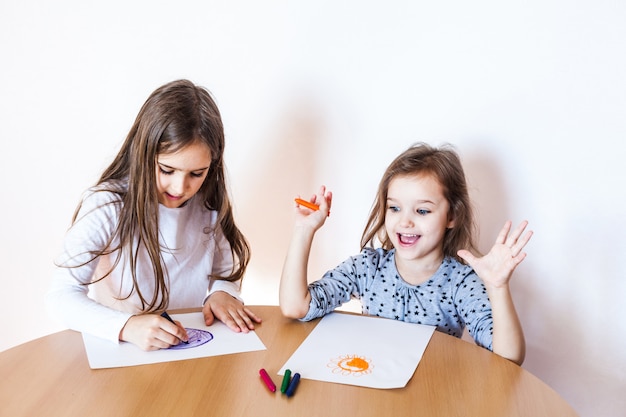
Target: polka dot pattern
(452,299)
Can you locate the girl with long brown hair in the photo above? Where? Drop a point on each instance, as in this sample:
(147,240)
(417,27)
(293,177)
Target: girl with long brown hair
(156,231)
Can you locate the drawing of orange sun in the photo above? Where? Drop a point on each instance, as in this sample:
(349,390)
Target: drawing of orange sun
(354,365)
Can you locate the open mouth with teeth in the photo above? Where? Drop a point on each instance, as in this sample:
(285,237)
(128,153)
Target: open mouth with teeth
(407,239)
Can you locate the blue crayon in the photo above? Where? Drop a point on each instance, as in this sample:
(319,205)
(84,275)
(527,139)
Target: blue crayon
(292,386)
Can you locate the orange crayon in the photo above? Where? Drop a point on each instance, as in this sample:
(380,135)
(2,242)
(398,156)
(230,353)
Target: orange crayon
(306,204)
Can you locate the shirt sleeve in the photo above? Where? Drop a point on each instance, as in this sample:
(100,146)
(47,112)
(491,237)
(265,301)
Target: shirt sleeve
(474,307)
(339,285)
(67,298)
(223,266)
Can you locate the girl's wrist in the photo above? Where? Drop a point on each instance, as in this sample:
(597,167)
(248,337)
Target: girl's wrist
(497,288)
(305,229)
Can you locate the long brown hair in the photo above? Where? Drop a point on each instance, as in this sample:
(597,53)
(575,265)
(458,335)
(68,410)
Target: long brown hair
(174,116)
(445,166)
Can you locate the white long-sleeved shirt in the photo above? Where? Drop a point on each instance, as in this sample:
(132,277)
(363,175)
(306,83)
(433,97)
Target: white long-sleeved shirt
(193,249)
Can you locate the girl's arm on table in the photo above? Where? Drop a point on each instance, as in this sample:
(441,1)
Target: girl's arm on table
(294,297)
(495,269)
(224,301)
(67,298)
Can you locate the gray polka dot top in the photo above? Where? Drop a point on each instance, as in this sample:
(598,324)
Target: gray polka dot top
(452,299)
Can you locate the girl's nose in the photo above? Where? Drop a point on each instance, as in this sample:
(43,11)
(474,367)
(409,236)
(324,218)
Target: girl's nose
(407,219)
(179,184)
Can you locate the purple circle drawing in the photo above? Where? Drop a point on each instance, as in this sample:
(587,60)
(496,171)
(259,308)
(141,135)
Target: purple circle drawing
(197,338)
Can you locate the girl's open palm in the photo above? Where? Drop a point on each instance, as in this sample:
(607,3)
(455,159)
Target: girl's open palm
(496,267)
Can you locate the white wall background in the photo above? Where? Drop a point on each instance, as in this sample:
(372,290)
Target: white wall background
(532,93)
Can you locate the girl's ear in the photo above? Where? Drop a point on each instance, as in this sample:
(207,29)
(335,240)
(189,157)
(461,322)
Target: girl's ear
(451,221)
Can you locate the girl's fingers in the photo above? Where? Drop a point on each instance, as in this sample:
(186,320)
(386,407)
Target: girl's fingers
(524,240)
(519,230)
(504,232)
(513,241)
(253,316)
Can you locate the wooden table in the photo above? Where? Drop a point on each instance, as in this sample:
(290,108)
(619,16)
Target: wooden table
(50,376)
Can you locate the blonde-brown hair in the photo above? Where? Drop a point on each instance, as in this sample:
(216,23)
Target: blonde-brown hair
(444,165)
(174,116)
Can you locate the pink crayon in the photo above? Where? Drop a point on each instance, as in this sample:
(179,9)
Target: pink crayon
(268,381)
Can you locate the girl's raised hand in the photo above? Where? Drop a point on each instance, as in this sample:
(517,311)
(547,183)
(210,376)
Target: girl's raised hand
(315,218)
(496,267)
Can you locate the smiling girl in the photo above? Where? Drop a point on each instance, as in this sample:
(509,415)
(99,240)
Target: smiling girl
(425,271)
(156,231)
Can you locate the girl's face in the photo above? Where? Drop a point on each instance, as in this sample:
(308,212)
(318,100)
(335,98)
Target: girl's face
(180,175)
(416,219)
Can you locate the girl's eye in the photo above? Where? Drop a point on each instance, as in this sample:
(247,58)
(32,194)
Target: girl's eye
(165,172)
(393,208)
(422,212)
(197,174)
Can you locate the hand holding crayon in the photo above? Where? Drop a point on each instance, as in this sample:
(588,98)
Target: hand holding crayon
(323,194)
(306,204)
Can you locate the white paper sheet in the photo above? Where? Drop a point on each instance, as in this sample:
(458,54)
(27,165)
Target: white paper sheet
(360,350)
(102,353)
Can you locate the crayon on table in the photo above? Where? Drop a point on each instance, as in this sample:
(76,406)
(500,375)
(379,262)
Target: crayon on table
(292,386)
(268,381)
(286,379)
